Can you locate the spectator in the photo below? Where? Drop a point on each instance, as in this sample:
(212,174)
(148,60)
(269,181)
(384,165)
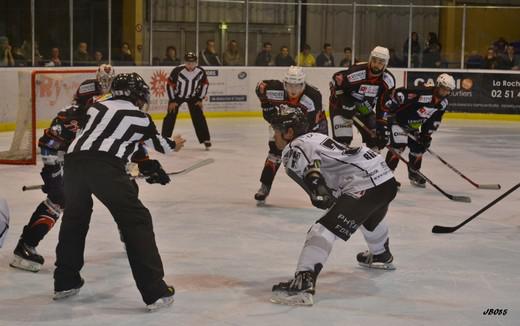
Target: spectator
(156,61)
(170,58)
(209,56)
(55,60)
(283,59)
(509,60)
(264,58)
(500,46)
(394,60)
(6,56)
(490,61)
(81,56)
(432,52)
(474,61)
(124,58)
(325,59)
(346,62)
(305,57)
(232,55)
(416,51)
(98,58)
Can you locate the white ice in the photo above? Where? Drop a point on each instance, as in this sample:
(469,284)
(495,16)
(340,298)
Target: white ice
(223,253)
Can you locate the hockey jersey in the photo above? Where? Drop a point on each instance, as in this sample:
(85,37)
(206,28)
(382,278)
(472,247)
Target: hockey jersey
(272,93)
(62,130)
(346,170)
(355,86)
(416,109)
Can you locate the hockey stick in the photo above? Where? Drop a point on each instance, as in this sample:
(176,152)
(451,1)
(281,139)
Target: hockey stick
(197,165)
(479,186)
(464,199)
(451,229)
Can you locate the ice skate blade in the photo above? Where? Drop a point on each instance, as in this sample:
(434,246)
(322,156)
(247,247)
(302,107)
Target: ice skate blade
(418,185)
(159,304)
(260,203)
(300,299)
(383,266)
(59,295)
(24,264)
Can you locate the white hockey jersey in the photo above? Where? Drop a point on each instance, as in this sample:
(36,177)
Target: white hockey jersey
(346,170)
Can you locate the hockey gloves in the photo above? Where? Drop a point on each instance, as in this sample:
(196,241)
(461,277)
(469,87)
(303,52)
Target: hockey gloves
(320,194)
(153,172)
(425,140)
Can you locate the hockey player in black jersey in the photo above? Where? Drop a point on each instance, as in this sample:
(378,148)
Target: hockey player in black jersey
(96,89)
(353,185)
(295,91)
(358,91)
(417,112)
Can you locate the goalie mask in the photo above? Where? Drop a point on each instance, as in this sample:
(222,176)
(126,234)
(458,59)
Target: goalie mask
(294,82)
(131,87)
(378,60)
(290,117)
(105,74)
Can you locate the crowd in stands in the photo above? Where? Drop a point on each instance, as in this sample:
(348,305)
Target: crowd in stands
(428,54)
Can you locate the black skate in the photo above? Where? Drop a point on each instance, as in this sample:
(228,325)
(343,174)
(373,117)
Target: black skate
(262,194)
(62,294)
(207,144)
(381,261)
(296,292)
(398,184)
(162,302)
(27,258)
(416,180)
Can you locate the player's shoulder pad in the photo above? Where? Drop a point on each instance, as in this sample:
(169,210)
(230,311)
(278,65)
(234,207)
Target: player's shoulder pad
(357,73)
(389,79)
(272,89)
(311,90)
(88,86)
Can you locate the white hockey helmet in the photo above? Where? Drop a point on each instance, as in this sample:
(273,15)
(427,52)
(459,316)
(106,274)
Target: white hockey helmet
(445,80)
(104,75)
(381,53)
(294,81)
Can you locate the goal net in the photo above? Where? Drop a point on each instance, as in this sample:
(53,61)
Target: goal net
(41,94)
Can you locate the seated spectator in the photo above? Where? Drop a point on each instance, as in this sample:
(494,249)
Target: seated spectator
(232,55)
(500,46)
(474,61)
(416,51)
(283,59)
(170,58)
(346,62)
(209,56)
(98,58)
(394,60)
(305,57)
(326,58)
(509,60)
(81,56)
(432,52)
(264,58)
(55,60)
(491,60)
(6,56)
(124,57)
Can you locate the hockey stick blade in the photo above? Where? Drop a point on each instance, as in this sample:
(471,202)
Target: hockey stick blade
(490,186)
(35,187)
(463,199)
(443,229)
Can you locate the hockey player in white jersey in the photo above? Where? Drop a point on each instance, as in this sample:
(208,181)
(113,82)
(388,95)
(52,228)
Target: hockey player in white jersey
(353,185)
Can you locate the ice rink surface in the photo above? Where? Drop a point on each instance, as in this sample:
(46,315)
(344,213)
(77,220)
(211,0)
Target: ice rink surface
(223,253)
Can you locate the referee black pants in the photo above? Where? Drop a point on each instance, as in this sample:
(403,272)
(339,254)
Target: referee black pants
(104,176)
(197,117)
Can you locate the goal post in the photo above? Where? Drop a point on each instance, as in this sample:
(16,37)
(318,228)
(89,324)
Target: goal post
(41,95)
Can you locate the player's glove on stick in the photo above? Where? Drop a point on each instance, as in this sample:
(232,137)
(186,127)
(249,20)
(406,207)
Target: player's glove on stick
(153,172)
(425,140)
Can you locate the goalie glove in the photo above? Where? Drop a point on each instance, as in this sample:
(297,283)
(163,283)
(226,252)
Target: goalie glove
(153,172)
(320,194)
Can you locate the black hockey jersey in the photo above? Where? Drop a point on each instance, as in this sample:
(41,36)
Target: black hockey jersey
(272,93)
(87,91)
(416,109)
(355,86)
(63,129)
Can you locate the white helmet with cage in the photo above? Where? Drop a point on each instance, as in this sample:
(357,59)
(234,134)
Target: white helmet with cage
(445,80)
(105,74)
(294,81)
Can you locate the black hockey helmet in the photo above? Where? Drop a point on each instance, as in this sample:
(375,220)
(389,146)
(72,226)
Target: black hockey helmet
(130,86)
(190,57)
(290,117)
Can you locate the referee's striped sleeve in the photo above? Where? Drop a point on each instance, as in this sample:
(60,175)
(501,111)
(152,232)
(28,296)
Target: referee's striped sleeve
(157,141)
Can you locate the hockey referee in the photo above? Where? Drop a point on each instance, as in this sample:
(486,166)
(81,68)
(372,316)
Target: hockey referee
(95,165)
(188,83)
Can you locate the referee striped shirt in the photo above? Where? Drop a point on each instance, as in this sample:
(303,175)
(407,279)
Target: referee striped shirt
(186,85)
(118,127)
